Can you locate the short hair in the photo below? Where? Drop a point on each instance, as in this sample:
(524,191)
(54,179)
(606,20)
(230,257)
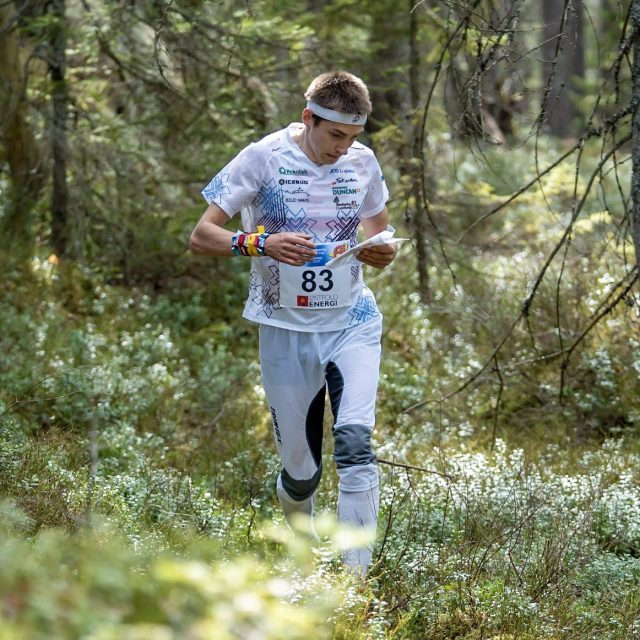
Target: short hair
(340,91)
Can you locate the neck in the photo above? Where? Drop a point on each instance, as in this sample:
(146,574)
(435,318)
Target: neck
(302,141)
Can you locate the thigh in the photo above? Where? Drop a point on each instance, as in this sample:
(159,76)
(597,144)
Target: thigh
(356,355)
(293,380)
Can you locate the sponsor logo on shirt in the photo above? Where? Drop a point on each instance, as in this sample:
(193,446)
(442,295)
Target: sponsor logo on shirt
(344,191)
(342,171)
(317,302)
(286,181)
(286,171)
(341,180)
(299,191)
(345,205)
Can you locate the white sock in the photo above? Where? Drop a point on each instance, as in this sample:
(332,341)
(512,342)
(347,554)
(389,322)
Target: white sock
(359,509)
(291,506)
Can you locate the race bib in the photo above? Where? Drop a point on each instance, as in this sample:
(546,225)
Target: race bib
(314,285)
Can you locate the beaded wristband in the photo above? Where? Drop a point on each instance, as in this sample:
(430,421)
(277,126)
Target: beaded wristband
(249,244)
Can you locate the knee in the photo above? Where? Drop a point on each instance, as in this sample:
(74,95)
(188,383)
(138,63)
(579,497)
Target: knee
(352,446)
(299,490)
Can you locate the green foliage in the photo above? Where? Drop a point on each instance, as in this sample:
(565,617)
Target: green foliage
(99,439)
(139,409)
(126,384)
(482,276)
(94,585)
(491,544)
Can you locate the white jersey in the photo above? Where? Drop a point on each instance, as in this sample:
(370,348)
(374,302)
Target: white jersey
(275,185)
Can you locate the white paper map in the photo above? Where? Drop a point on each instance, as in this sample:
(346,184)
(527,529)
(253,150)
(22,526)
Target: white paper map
(384,237)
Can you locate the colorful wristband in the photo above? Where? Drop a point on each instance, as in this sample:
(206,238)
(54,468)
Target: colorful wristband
(249,244)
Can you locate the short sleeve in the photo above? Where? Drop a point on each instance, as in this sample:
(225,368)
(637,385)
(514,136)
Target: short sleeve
(377,192)
(237,183)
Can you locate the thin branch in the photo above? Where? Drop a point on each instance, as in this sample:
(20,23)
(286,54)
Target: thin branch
(423,129)
(414,468)
(498,399)
(529,299)
(609,124)
(621,296)
(574,216)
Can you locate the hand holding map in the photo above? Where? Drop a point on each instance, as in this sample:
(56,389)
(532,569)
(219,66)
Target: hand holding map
(349,256)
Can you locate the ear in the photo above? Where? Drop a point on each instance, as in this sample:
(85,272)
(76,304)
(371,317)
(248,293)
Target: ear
(307,117)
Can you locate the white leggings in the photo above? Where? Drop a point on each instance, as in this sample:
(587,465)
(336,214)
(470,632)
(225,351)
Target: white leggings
(297,369)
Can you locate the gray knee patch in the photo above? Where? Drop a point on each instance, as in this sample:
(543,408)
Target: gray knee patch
(300,489)
(352,446)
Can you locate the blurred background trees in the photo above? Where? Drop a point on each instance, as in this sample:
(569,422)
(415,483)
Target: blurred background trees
(114,114)
(496,123)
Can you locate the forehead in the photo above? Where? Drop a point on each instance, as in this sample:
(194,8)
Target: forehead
(347,130)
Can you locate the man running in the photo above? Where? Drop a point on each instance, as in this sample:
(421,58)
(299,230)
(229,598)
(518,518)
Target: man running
(302,192)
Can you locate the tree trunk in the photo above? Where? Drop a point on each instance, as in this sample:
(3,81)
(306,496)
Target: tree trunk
(635,98)
(502,84)
(419,221)
(61,238)
(386,75)
(563,52)
(19,145)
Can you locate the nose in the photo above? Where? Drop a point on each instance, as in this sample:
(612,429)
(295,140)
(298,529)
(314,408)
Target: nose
(342,150)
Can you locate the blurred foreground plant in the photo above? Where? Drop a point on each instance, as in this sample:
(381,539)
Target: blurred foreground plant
(95,586)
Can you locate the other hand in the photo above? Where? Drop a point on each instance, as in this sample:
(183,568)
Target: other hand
(291,248)
(378,256)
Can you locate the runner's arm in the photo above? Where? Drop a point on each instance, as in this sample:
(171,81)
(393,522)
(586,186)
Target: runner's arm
(210,238)
(382,255)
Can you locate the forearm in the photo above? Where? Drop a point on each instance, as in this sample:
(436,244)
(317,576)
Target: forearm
(375,224)
(209,239)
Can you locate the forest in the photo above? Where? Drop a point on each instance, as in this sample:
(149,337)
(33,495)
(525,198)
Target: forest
(137,456)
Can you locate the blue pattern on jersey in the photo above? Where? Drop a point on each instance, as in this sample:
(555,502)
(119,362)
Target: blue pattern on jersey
(344,226)
(277,216)
(363,310)
(270,201)
(299,223)
(265,296)
(217,188)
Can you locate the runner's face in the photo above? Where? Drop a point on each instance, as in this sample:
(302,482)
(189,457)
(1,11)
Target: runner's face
(327,140)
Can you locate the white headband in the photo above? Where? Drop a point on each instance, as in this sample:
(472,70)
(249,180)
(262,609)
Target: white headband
(337,116)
